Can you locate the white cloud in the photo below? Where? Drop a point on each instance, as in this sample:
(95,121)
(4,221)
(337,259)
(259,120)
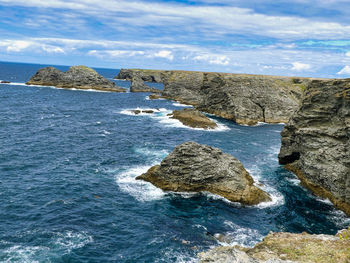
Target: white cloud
(165,54)
(213,59)
(115,53)
(52,49)
(297,66)
(17,46)
(344,71)
(347,54)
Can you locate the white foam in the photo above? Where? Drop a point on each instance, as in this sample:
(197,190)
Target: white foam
(60,244)
(293,180)
(147,98)
(180,256)
(161,115)
(177,104)
(156,155)
(140,190)
(240,235)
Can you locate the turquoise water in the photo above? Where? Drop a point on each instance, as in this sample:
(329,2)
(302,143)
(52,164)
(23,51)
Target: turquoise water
(68,160)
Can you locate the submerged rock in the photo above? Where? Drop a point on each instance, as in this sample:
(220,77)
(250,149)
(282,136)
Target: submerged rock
(5,82)
(138,85)
(193,167)
(284,247)
(77,77)
(193,118)
(315,142)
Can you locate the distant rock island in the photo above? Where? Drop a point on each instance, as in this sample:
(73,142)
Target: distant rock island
(77,77)
(245,99)
(316,141)
(194,167)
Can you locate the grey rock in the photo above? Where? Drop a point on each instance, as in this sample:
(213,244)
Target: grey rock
(138,85)
(193,167)
(148,75)
(315,143)
(193,118)
(78,77)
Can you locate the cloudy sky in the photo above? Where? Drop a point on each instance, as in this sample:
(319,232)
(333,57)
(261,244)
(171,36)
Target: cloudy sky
(278,37)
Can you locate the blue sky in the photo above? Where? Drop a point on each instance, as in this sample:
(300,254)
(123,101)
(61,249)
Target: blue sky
(277,37)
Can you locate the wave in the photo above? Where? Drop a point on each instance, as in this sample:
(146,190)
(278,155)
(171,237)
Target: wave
(161,115)
(140,190)
(178,104)
(60,244)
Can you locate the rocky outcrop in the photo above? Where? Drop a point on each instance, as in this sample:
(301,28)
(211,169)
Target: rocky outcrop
(315,143)
(245,99)
(193,118)
(285,247)
(138,85)
(193,167)
(5,82)
(148,75)
(77,77)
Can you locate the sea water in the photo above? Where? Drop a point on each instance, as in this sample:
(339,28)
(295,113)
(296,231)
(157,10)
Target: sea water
(68,162)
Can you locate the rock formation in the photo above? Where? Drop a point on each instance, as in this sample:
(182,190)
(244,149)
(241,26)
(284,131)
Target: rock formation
(193,118)
(77,77)
(315,143)
(245,99)
(193,167)
(284,248)
(138,85)
(5,82)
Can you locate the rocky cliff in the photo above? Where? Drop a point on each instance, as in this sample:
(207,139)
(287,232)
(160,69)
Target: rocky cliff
(193,167)
(78,77)
(315,143)
(148,75)
(245,99)
(286,248)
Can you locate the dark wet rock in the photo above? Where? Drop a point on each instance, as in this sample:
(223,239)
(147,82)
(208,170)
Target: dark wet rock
(77,77)
(193,118)
(285,247)
(5,82)
(138,85)
(136,112)
(154,96)
(193,167)
(315,142)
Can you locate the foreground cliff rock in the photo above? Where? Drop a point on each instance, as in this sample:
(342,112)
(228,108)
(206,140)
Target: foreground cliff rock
(245,99)
(193,118)
(77,77)
(315,143)
(286,247)
(193,167)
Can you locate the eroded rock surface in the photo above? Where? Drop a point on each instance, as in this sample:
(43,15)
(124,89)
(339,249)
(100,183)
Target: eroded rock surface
(193,167)
(315,143)
(77,77)
(138,85)
(193,118)
(285,247)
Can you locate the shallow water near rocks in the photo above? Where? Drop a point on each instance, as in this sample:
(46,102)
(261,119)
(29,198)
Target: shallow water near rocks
(68,160)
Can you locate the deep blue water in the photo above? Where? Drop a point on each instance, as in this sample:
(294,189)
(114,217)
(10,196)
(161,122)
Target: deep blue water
(68,160)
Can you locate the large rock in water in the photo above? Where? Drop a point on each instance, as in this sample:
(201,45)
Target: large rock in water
(284,248)
(78,77)
(315,143)
(193,118)
(193,167)
(138,85)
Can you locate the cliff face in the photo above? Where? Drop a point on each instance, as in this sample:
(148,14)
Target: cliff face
(315,143)
(78,77)
(245,99)
(148,75)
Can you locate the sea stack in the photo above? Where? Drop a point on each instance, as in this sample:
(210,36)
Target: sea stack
(194,167)
(315,142)
(77,77)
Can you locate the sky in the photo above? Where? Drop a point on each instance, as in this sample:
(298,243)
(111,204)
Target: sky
(271,37)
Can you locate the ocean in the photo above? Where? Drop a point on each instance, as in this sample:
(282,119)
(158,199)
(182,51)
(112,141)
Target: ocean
(68,162)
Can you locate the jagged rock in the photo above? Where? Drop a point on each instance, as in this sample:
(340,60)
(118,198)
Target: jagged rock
(5,82)
(138,85)
(193,118)
(245,99)
(315,142)
(193,167)
(148,75)
(154,96)
(285,247)
(136,112)
(78,77)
